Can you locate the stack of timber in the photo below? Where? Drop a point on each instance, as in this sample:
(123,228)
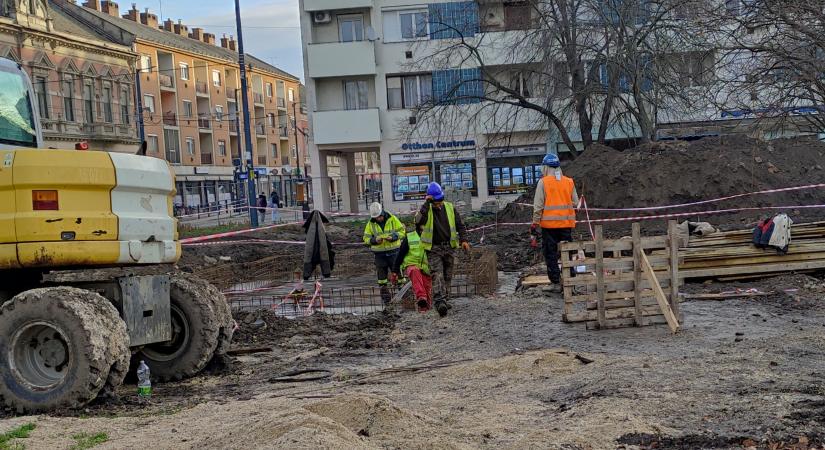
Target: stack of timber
(732,254)
(623,282)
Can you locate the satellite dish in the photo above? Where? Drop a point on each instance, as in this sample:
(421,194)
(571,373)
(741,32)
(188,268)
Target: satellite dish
(371,36)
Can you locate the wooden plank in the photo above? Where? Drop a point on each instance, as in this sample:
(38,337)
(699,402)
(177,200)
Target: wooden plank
(726,296)
(609,245)
(600,274)
(753,269)
(673,242)
(770,259)
(660,295)
(626,303)
(608,296)
(622,262)
(535,280)
(625,323)
(590,279)
(613,314)
(637,271)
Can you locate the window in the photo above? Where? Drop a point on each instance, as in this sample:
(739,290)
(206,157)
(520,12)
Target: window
(219,113)
(413,24)
(291,95)
(274,148)
(269,90)
(40,88)
(184,71)
(68,99)
(146,63)
(151,143)
(171,138)
(409,92)
(124,106)
(295,152)
(522,82)
(190,146)
(517,16)
(221,147)
(356,95)
(270,119)
(108,117)
(351,28)
(187,109)
(88,103)
(216,78)
(149,103)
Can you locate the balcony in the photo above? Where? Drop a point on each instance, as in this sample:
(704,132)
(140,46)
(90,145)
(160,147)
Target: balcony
(258,98)
(285,160)
(202,88)
(327,5)
(166,82)
(260,130)
(341,59)
(173,155)
(261,160)
(347,127)
(233,127)
(283,132)
(204,123)
(169,119)
(281,102)
(206,159)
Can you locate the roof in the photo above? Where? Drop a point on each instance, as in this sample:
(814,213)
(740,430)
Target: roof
(65,24)
(183,43)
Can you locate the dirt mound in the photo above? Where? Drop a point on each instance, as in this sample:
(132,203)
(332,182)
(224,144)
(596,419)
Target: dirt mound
(673,173)
(342,332)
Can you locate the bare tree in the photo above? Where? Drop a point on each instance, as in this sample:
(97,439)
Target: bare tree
(774,55)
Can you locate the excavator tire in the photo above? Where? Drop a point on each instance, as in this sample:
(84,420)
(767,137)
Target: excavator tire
(61,345)
(196,325)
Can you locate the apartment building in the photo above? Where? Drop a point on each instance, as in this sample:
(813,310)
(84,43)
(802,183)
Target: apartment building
(83,83)
(190,87)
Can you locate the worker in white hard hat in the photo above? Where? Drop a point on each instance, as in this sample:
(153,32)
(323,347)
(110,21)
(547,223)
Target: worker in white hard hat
(383,234)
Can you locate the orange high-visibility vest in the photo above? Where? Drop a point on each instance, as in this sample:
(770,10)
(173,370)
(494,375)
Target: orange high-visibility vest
(559,211)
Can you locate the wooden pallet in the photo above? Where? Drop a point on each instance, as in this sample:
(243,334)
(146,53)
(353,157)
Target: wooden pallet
(626,282)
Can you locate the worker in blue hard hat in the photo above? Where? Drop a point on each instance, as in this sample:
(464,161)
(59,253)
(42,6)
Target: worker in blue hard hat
(554,211)
(442,232)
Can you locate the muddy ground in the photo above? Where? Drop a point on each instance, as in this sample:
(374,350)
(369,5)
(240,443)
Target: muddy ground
(498,372)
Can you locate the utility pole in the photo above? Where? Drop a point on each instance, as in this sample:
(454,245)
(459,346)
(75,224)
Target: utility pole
(139,106)
(250,168)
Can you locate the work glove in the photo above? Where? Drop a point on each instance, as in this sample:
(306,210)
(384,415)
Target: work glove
(393,236)
(374,241)
(465,246)
(534,227)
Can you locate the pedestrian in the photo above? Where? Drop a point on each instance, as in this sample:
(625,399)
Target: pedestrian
(412,263)
(554,211)
(442,232)
(383,233)
(262,208)
(275,204)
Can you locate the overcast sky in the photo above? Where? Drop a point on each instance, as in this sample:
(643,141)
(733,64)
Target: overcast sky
(271,27)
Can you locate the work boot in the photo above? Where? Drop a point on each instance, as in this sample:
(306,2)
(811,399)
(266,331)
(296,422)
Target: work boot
(423,305)
(555,288)
(442,308)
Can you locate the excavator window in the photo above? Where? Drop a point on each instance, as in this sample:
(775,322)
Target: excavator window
(16,114)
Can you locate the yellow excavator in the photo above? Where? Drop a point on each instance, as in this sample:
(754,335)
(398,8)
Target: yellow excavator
(88,243)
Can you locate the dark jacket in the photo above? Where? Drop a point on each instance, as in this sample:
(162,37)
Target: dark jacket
(276,201)
(318,250)
(441,225)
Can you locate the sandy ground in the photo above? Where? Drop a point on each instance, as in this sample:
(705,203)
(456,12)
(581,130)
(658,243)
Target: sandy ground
(742,372)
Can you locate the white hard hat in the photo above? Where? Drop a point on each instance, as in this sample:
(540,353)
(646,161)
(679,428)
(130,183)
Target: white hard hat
(376,209)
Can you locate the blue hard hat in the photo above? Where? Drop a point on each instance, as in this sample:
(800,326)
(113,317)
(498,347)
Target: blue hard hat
(434,190)
(551,160)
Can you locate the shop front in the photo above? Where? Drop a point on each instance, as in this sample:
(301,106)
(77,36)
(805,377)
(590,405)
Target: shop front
(412,171)
(513,170)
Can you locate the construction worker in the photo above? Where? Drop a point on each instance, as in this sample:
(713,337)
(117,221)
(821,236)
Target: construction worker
(383,234)
(554,211)
(442,232)
(412,263)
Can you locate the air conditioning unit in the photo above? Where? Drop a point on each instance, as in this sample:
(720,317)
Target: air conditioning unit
(322,17)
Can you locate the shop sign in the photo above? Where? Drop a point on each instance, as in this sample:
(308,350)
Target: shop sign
(454,155)
(508,152)
(438,145)
(410,157)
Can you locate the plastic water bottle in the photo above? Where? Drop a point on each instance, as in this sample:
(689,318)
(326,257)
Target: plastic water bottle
(144,383)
